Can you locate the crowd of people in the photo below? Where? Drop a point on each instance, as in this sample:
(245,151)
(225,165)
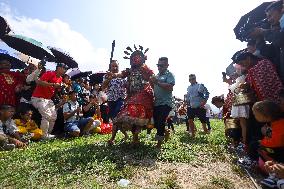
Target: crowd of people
(37,104)
(254,106)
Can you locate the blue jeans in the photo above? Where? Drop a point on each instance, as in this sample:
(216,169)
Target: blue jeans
(76,125)
(115,107)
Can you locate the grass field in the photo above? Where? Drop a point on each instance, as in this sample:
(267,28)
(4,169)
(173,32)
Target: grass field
(87,162)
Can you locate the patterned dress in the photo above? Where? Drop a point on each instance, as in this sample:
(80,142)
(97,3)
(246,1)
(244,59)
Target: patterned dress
(265,81)
(138,107)
(8,83)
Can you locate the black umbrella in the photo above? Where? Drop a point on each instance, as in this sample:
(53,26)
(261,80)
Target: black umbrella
(81,75)
(63,57)
(251,20)
(15,63)
(4,27)
(28,46)
(97,78)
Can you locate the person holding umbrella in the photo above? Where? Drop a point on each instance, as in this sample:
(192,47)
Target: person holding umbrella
(41,98)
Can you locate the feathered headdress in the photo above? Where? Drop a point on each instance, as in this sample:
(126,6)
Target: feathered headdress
(137,56)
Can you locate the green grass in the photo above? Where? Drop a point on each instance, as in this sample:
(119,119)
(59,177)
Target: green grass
(86,161)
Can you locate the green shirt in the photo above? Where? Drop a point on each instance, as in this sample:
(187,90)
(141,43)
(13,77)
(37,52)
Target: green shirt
(163,96)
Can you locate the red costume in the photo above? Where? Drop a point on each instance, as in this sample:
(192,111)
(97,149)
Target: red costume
(138,106)
(9,82)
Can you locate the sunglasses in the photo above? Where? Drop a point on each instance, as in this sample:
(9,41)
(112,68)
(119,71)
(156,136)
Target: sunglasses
(160,65)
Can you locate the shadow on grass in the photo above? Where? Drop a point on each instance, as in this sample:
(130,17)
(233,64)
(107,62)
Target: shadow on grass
(100,158)
(200,138)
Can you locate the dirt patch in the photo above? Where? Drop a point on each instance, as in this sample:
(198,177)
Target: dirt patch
(182,175)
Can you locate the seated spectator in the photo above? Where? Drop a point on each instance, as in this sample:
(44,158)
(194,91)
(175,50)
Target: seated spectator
(273,141)
(276,169)
(27,127)
(75,126)
(271,147)
(9,135)
(91,108)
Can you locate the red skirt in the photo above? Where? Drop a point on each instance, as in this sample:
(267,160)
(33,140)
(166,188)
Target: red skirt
(138,109)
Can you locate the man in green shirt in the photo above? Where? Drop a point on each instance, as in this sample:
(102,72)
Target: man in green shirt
(163,84)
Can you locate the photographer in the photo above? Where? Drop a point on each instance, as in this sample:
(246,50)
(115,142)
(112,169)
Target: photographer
(41,98)
(274,35)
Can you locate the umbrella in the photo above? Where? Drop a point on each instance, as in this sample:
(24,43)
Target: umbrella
(15,63)
(28,46)
(97,78)
(255,18)
(4,27)
(80,75)
(63,57)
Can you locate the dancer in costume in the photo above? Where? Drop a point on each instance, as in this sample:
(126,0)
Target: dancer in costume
(138,106)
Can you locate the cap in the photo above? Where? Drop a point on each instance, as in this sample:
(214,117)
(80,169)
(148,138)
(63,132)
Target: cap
(62,65)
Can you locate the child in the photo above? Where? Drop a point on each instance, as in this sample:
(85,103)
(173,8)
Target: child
(9,136)
(27,127)
(240,111)
(271,147)
(278,170)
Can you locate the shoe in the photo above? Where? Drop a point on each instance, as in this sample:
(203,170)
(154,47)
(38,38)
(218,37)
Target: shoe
(240,148)
(8,146)
(48,137)
(270,182)
(280,184)
(246,162)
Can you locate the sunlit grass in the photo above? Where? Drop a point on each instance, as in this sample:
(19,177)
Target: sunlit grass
(88,161)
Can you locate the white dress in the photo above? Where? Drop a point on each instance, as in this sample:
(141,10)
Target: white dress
(240,111)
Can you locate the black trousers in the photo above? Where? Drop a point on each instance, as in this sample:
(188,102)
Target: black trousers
(160,115)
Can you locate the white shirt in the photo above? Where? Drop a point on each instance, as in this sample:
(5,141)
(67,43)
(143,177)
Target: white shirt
(70,106)
(11,127)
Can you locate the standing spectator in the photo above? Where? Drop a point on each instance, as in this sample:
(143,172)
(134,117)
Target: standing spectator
(208,115)
(11,83)
(197,96)
(41,98)
(116,92)
(163,88)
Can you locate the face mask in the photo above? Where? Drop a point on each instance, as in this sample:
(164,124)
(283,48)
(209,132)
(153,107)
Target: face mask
(282,22)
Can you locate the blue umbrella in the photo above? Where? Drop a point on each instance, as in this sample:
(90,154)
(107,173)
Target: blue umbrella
(15,62)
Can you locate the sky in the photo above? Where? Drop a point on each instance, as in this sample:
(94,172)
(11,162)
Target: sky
(196,36)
